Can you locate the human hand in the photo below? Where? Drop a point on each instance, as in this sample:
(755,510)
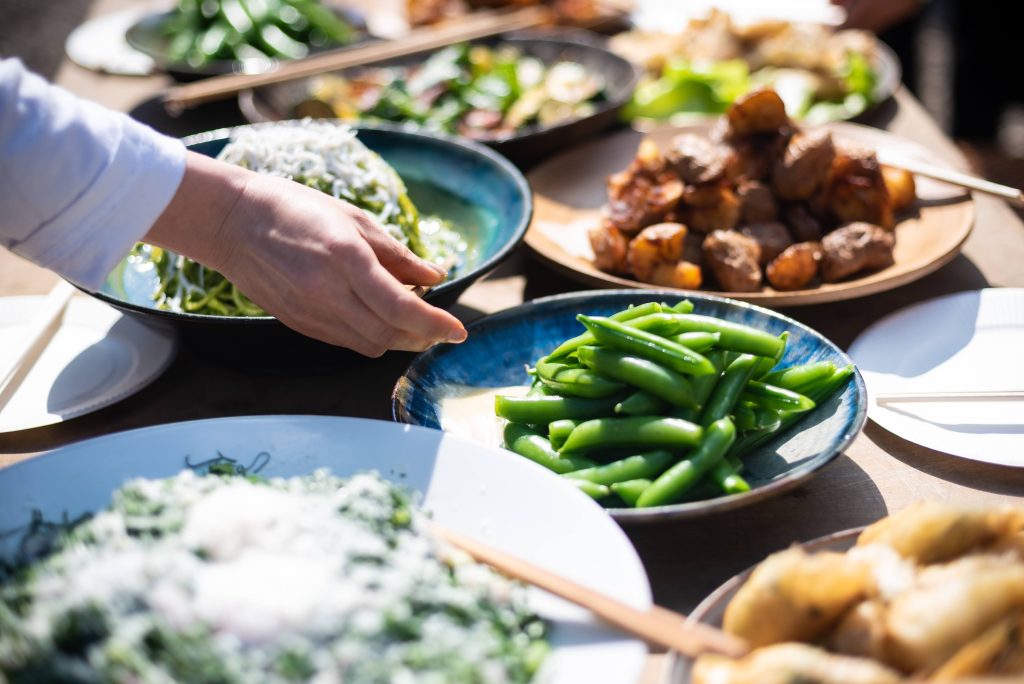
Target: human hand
(319,265)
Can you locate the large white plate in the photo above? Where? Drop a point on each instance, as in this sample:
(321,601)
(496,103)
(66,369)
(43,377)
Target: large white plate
(96,358)
(485,492)
(969,341)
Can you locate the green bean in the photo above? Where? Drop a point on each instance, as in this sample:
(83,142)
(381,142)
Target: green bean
(796,377)
(630,490)
(629,314)
(674,482)
(646,465)
(632,432)
(546,409)
(727,477)
(683,306)
(575,380)
(647,345)
(529,443)
(734,336)
(777,398)
(755,418)
(592,489)
(766,363)
(641,373)
(727,391)
(558,431)
(642,403)
(699,342)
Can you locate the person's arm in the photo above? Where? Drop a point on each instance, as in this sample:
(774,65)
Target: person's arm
(79,185)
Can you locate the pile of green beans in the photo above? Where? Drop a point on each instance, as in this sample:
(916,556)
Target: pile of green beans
(656,405)
(203,31)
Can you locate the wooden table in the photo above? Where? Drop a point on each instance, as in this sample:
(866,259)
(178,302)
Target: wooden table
(880,473)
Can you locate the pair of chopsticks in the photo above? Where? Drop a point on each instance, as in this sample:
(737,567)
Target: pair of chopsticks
(41,329)
(964,180)
(655,625)
(476,25)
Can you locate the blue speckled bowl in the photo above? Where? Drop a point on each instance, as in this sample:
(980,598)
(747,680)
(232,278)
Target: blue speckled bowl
(487,199)
(501,345)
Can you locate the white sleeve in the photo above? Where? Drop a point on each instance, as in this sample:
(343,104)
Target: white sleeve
(79,184)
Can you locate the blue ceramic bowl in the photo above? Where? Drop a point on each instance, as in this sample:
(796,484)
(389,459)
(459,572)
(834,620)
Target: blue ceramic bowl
(502,345)
(486,198)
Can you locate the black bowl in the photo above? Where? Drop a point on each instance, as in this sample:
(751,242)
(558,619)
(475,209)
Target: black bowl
(445,176)
(530,143)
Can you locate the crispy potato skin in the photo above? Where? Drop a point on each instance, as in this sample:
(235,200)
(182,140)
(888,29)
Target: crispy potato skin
(854,248)
(610,246)
(795,267)
(857,192)
(733,259)
(655,245)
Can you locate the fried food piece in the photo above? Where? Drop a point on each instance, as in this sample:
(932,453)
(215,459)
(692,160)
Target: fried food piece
(789,664)
(654,245)
(757,203)
(721,214)
(999,650)
(861,632)
(682,275)
(949,606)
(795,596)
(772,237)
(759,111)
(931,532)
(857,190)
(804,225)
(733,259)
(795,267)
(610,246)
(853,248)
(900,185)
(644,192)
(696,159)
(804,165)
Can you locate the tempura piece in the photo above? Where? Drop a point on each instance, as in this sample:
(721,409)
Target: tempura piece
(791,664)
(931,532)
(999,650)
(794,596)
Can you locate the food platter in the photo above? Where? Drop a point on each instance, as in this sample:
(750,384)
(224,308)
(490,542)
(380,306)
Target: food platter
(569,192)
(472,489)
(500,346)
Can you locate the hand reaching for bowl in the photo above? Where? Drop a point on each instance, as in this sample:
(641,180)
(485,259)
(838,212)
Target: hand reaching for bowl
(318,264)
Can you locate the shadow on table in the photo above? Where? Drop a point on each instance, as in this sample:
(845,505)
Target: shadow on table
(207,117)
(688,559)
(989,477)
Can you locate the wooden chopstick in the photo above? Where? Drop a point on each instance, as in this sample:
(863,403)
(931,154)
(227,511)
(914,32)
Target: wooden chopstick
(41,329)
(936,397)
(945,175)
(476,25)
(655,625)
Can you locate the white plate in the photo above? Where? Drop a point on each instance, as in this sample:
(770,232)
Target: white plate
(485,492)
(98,357)
(969,341)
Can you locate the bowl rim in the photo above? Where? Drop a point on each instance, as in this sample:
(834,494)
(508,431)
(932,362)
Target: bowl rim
(575,37)
(690,509)
(522,222)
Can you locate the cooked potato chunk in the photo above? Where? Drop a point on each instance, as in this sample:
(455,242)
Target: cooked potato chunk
(759,111)
(803,224)
(757,204)
(795,267)
(804,165)
(696,159)
(610,246)
(900,185)
(857,191)
(771,236)
(733,259)
(655,245)
(853,248)
(721,214)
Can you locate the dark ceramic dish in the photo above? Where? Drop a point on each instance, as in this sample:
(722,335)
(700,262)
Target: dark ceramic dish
(483,195)
(500,346)
(529,144)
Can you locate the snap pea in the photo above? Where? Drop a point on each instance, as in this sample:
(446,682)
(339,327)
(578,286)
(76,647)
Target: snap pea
(630,490)
(632,432)
(546,409)
(641,373)
(647,345)
(529,443)
(592,489)
(766,363)
(671,484)
(770,396)
(558,431)
(646,465)
(755,418)
(796,377)
(575,380)
(629,314)
(656,323)
(642,403)
(683,306)
(726,393)
(699,341)
(727,477)
(733,336)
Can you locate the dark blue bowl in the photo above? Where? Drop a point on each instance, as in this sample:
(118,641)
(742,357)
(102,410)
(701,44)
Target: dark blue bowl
(502,345)
(486,198)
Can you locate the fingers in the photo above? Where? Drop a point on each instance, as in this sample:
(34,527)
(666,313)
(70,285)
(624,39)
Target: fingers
(396,257)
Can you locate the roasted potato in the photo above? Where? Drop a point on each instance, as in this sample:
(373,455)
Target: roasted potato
(804,165)
(757,203)
(610,246)
(804,225)
(655,245)
(733,259)
(771,236)
(857,191)
(900,186)
(759,111)
(795,267)
(722,214)
(853,248)
(696,159)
